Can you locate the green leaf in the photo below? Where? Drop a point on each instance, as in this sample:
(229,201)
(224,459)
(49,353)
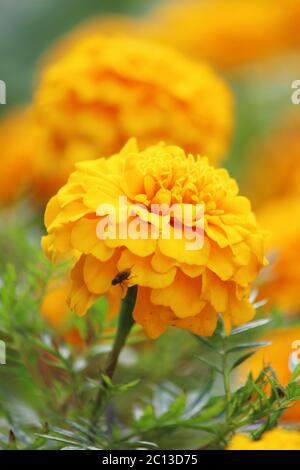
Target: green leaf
(210,364)
(242,359)
(214,408)
(250,326)
(296,374)
(175,410)
(58,439)
(260,392)
(252,345)
(107,381)
(141,444)
(220,329)
(128,386)
(148,418)
(206,342)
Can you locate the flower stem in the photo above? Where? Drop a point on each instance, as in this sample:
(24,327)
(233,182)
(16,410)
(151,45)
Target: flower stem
(226,380)
(125,324)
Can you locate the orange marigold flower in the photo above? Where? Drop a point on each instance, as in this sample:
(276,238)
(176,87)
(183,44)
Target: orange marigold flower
(278,155)
(279,355)
(54,307)
(280,283)
(277,205)
(103,90)
(176,286)
(55,310)
(276,439)
(229,33)
(17,137)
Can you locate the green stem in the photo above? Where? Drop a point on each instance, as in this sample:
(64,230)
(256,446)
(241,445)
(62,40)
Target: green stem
(226,380)
(125,324)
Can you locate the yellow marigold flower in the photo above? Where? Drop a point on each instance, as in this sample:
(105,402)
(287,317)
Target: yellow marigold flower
(276,439)
(17,137)
(176,286)
(280,283)
(282,354)
(103,90)
(229,33)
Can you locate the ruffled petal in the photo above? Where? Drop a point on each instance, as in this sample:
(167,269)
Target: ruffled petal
(175,296)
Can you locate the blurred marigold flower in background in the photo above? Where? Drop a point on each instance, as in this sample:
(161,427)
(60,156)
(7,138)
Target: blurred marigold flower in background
(276,158)
(17,142)
(55,310)
(278,355)
(276,439)
(214,279)
(280,282)
(103,90)
(228,33)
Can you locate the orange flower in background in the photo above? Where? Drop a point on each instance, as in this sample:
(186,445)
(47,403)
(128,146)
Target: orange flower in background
(55,310)
(17,137)
(276,439)
(228,33)
(215,278)
(103,90)
(276,159)
(278,355)
(280,284)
